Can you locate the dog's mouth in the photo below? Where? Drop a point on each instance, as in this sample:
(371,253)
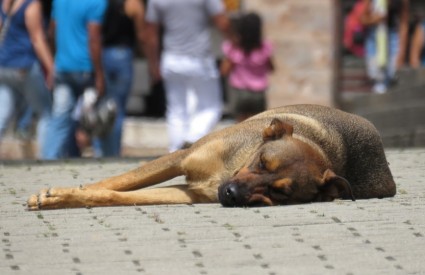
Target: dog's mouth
(237,195)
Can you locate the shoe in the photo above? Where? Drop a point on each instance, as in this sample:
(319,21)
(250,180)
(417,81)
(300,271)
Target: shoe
(379,88)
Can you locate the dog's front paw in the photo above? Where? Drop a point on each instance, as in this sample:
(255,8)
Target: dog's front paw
(34,201)
(47,199)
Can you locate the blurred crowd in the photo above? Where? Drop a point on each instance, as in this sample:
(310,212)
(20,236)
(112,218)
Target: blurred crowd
(388,36)
(69,64)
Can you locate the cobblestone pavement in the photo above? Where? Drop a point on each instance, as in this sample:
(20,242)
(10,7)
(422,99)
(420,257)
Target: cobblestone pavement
(375,236)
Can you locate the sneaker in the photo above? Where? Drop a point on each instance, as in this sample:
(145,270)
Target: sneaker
(379,88)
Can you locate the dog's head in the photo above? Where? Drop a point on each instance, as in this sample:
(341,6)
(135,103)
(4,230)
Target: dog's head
(283,171)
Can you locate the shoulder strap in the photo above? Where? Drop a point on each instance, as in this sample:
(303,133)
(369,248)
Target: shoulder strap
(9,10)
(5,25)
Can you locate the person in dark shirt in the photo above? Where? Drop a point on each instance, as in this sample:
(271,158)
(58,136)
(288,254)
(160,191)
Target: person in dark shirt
(122,30)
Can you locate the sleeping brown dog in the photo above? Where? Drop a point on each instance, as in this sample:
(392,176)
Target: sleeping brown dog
(288,155)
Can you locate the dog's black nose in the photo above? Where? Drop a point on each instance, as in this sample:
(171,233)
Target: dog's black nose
(227,194)
(231,194)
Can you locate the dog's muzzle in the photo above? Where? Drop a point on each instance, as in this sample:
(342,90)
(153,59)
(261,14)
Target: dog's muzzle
(235,194)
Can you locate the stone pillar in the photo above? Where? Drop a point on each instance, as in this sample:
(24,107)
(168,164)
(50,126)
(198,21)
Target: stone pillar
(302,32)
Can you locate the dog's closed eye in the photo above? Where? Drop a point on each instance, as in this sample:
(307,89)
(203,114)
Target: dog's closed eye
(262,163)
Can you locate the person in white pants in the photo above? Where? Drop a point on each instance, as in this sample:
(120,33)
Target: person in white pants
(184,77)
(187,65)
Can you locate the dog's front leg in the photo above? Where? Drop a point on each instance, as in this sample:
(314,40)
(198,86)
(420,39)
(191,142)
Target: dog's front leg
(57,198)
(153,172)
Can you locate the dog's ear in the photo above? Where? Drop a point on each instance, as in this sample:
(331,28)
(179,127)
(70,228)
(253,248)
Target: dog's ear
(333,187)
(277,130)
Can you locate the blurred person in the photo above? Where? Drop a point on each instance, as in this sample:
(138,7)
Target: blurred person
(247,61)
(38,86)
(187,64)
(354,30)
(417,47)
(22,41)
(122,30)
(387,29)
(76,29)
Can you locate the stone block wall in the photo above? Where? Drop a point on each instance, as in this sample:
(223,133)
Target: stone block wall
(302,32)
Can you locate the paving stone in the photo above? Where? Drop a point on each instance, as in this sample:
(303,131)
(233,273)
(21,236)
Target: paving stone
(377,236)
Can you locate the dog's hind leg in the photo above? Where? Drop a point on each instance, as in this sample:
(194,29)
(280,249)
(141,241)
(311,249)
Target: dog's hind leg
(57,198)
(153,172)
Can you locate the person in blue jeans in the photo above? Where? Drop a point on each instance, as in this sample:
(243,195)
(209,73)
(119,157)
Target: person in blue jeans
(76,27)
(395,19)
(123,28)
(22,42)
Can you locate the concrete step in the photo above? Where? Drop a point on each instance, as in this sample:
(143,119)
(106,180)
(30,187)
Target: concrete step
(399,115)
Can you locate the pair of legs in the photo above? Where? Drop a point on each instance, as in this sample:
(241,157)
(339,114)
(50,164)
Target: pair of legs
(60,134)
(246,103)
(118,69)
(381,75)
(187,79)
(19,91)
